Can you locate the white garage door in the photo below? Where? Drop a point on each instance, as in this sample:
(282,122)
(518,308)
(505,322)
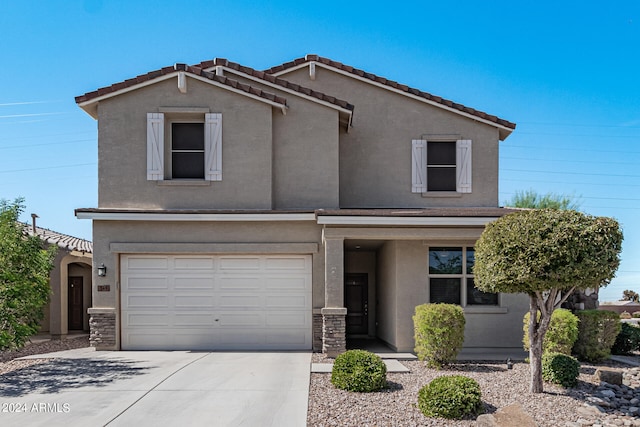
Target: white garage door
(223,302)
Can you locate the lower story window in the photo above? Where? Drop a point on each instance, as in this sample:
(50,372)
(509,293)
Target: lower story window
(451,278)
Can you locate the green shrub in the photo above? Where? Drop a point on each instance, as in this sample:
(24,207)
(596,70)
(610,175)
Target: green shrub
(561,335)
(625,315)
(560,369)
(359,370)
(439,333)
(628,340)
(450,397)
(597,332)
(636,314)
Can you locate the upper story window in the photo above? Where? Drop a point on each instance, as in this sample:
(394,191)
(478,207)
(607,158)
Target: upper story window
(187,150)
(441,166)
(451,278)
(194,148)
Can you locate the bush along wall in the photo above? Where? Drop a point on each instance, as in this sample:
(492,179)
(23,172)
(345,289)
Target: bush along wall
(438,333)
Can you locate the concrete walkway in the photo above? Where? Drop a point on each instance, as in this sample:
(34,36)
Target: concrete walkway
(86,387)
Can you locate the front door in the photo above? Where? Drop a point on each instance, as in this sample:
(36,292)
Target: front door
(356,285)
(75,303)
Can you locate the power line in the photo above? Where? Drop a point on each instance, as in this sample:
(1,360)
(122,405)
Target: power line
(46,144)
(49,167)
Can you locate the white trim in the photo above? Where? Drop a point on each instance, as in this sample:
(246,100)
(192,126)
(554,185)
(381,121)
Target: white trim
(392,89)
(147,216)
(405,220)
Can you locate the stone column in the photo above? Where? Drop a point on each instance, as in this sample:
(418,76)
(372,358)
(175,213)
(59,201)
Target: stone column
(102,325)
(334,340)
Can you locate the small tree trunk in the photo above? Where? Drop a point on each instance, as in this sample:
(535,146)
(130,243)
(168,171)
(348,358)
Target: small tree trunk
(536,336)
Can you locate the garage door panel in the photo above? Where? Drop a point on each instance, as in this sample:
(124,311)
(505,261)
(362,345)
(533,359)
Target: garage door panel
(243,263)
(194,263)
(286,302)
(209,302)
(146,283)
(243,320)
(193,301)
(146,319)
(145,301)
(194,320)
(291,337)
(284,283)
(240,282)
(186,282)
(279,263)
(147,263)
(248,302)
(287,319)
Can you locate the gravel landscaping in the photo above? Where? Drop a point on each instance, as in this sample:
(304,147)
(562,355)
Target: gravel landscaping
(7,358)
(588,404)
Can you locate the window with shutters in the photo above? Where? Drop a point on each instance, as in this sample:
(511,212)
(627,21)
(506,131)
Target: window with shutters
(441,166)
(451,278)
(184,146)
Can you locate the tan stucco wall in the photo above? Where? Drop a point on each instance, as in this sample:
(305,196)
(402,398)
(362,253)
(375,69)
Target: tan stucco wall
(56,312)
(485,326)
(387,293)
(246,150)
(375,156)
(270,160)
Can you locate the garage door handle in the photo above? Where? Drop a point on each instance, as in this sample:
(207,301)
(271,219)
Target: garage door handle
(217,320)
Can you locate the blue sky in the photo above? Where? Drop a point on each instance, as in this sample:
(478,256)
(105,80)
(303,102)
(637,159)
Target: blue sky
(565,72)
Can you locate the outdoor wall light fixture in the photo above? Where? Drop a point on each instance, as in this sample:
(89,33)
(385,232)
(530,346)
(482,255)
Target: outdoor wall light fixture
(102,270)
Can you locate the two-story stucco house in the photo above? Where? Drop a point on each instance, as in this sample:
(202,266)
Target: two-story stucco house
(290,209)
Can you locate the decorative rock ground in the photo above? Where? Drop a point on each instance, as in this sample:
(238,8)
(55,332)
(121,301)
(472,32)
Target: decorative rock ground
(612,405)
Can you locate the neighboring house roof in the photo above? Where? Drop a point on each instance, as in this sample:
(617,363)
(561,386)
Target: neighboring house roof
(506,126)
(89,100)
(63,241)
(620,303)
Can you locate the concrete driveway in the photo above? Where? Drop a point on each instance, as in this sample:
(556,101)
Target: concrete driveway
(84,387)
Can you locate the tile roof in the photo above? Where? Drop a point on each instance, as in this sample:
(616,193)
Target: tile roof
(195,70)
(63,241)
(390,83)
(275,80)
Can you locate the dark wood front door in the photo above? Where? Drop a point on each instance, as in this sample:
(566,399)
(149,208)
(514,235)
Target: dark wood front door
(75,303)
(355,296)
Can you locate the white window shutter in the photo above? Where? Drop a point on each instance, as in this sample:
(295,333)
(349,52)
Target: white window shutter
(418,166)
(155,146)
(213,147)
(463,166)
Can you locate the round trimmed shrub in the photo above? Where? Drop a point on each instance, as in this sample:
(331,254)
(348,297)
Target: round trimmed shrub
(560,369)
(628,340)
(561,335)
(597,331)
(625,315)
(438,333)
(451,397)
(359,370)
(636,314)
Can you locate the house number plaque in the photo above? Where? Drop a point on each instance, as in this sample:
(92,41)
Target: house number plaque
(104,288)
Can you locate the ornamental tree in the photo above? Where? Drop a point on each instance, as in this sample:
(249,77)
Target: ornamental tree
(547,254)
(24,278)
